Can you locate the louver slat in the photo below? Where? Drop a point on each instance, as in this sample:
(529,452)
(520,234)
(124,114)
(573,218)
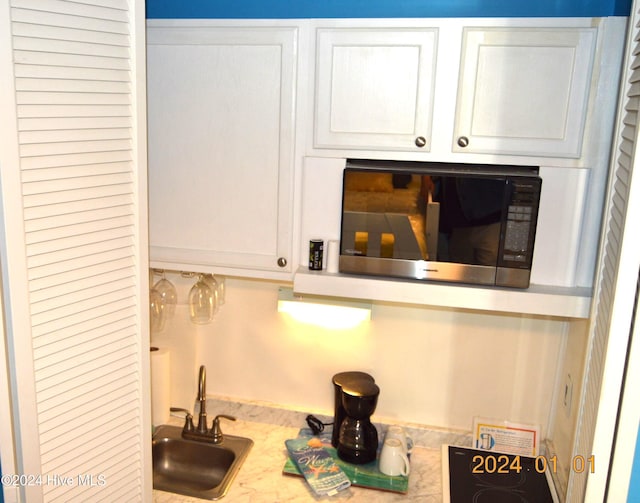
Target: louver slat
(68,98)
(90,457)
(51,275)
(71,60)
(606,287)
(77,341)
(627,148)
(34,46)
(74,147)
(67,219)
(55,72)
(83,466)
(630,118)
(60,436)
(73,83)
(627,133)
(73,136)
(84,9)
(62,250)
(82,310)
(35,17)
(80,332)
(59,184)
(39,31)
(123,493)
(49,257)
(91,318)
(82,205)
(77,171)
(52,161)
(84,193)
(90,444)
(71,86)
(96,110)
(80,380)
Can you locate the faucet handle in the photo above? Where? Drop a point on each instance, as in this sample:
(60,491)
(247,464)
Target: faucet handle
(188,419)
(188,424)
(216,432)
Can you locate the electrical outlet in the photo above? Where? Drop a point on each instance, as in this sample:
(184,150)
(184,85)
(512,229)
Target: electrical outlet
(567,395)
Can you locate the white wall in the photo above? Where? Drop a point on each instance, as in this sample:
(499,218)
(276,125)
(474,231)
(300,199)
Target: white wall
(563,423)
(435,367)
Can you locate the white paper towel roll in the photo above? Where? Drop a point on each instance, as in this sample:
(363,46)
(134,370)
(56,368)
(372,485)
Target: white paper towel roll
(160,385)
(333,256)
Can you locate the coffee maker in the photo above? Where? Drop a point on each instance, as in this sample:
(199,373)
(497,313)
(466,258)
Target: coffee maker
(357,436)
(340,380)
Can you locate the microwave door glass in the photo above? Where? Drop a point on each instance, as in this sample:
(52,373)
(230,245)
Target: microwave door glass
(470,219)
(417,217)
(384,235)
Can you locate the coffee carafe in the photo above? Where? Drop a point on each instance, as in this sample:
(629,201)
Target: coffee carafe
(340,380)
(358,437)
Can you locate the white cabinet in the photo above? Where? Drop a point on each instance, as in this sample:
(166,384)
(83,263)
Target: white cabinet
(221,129)
(524,91)
(374,88)
(443,87)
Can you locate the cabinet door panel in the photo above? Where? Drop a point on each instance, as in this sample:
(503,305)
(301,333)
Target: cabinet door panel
(220,140)
(524,91)
(374,88)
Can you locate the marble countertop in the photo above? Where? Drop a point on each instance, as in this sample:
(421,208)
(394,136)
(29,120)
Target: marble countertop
(260,478)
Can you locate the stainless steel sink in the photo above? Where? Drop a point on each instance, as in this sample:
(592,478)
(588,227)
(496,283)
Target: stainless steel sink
(196,468)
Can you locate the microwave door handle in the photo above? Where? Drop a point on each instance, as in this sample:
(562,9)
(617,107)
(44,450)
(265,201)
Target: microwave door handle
(432,226)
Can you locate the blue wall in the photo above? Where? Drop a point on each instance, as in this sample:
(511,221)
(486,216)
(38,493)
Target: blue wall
(274,9)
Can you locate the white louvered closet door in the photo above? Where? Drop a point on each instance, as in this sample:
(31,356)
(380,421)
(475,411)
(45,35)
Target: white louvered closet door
(75,246)
(615,293)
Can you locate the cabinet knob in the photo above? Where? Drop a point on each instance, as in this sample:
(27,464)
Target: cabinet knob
(463,141)
(282,262)
(421,141)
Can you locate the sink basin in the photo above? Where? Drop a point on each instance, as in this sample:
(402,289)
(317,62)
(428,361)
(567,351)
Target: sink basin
(194,468)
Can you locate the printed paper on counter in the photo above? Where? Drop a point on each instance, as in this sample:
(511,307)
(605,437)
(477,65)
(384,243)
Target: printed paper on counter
(316,465)
(506,437)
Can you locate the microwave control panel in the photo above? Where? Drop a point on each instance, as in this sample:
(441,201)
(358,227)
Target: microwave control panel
(520,222)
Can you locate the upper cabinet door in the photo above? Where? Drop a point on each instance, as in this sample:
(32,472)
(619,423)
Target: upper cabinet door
(524,91)
(221,129)
(374,88)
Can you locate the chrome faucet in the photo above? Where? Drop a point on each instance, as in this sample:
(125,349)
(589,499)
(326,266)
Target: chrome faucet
(201,432)
(202,399)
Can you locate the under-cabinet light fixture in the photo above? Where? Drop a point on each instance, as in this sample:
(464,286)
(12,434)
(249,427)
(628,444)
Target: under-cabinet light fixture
(327,312)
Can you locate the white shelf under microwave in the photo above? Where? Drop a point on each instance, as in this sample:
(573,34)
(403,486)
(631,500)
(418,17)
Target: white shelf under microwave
(539,300)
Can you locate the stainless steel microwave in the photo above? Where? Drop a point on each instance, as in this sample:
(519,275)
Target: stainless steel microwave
(453,222)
